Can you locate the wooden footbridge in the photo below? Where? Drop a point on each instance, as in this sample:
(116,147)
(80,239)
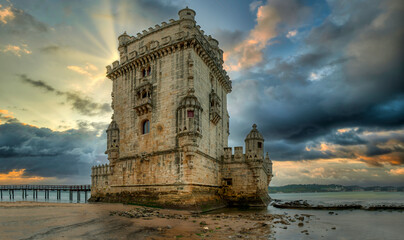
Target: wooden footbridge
(46,189)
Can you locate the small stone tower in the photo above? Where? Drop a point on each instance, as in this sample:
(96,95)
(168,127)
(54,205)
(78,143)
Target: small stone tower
(112,142)
(254,145)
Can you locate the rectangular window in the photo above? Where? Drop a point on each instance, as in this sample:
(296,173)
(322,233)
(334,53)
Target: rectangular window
(259,144)
(228,181)
(190,113)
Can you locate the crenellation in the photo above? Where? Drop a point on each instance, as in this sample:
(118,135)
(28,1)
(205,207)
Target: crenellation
(167,143)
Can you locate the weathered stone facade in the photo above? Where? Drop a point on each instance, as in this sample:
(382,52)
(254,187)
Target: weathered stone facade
(167,142)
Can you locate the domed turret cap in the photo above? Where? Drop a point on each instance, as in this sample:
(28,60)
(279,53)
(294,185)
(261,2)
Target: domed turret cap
(190,100)
(254,134)
(113,126)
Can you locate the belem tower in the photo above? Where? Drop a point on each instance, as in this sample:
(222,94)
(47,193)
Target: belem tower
(167,142)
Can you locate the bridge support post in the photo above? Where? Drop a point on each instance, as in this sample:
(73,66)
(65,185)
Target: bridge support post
(1,193)
(85,196)
(70,195)
(78,196)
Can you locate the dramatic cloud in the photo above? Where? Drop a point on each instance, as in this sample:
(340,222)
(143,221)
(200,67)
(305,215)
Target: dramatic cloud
(19,177)
(17,21)
(46,153)
(345,172)
(6,14)
(333,83)
(250,51)
(78,101)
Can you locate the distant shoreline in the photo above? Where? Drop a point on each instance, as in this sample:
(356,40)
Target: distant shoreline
(313,188)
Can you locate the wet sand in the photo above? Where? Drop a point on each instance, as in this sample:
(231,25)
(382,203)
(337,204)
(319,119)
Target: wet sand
(35,220)
(38,220)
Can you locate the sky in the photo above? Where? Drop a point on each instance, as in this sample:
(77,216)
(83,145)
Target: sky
(323,80)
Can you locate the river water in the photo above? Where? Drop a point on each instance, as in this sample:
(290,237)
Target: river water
(348,224)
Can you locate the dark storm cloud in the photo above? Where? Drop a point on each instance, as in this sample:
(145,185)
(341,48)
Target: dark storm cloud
(47,153)
(51,49)
(228,39)
(39,84)
(349,75)
(164,9)
(86,105)
(78,101)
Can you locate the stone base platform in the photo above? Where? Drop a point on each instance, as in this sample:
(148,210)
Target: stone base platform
(188,197)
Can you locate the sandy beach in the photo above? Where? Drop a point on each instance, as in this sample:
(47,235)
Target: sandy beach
(36,220)
(41,220)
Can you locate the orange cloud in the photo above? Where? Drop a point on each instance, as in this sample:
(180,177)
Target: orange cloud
(249,52)
(17,50)
(397,171)
(17,177)
(6,14)
(89,70)
(5,114)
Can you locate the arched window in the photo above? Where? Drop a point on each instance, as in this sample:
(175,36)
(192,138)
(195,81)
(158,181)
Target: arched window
(146,127)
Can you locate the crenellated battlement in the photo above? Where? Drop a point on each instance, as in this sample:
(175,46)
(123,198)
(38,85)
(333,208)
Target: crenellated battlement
(100,170)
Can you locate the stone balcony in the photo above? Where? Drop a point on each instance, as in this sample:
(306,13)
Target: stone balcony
(143,106)
(143,98)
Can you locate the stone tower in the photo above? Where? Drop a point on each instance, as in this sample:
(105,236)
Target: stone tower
(170,127)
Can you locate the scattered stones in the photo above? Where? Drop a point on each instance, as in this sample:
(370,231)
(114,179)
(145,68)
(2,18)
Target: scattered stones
(300,224)
(303,204)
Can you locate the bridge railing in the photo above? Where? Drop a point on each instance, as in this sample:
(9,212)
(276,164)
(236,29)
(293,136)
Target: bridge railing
(47,187)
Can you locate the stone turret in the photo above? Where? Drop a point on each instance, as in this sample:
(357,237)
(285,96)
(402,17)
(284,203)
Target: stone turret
(254,144)
(123,39)
(187,16)
(189,129)
(113,142)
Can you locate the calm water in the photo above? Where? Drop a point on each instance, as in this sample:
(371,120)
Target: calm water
(41,197)
(341,224)
(348,224)
(333,198)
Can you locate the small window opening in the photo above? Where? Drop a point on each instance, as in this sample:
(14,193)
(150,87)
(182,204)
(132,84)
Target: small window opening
(144,95)
(144,72)
(228,181)
(188,13)
(259,144)
(148,71)
(146,127)
(190,113)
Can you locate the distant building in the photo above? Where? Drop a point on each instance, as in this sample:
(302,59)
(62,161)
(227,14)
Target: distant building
(167,142)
